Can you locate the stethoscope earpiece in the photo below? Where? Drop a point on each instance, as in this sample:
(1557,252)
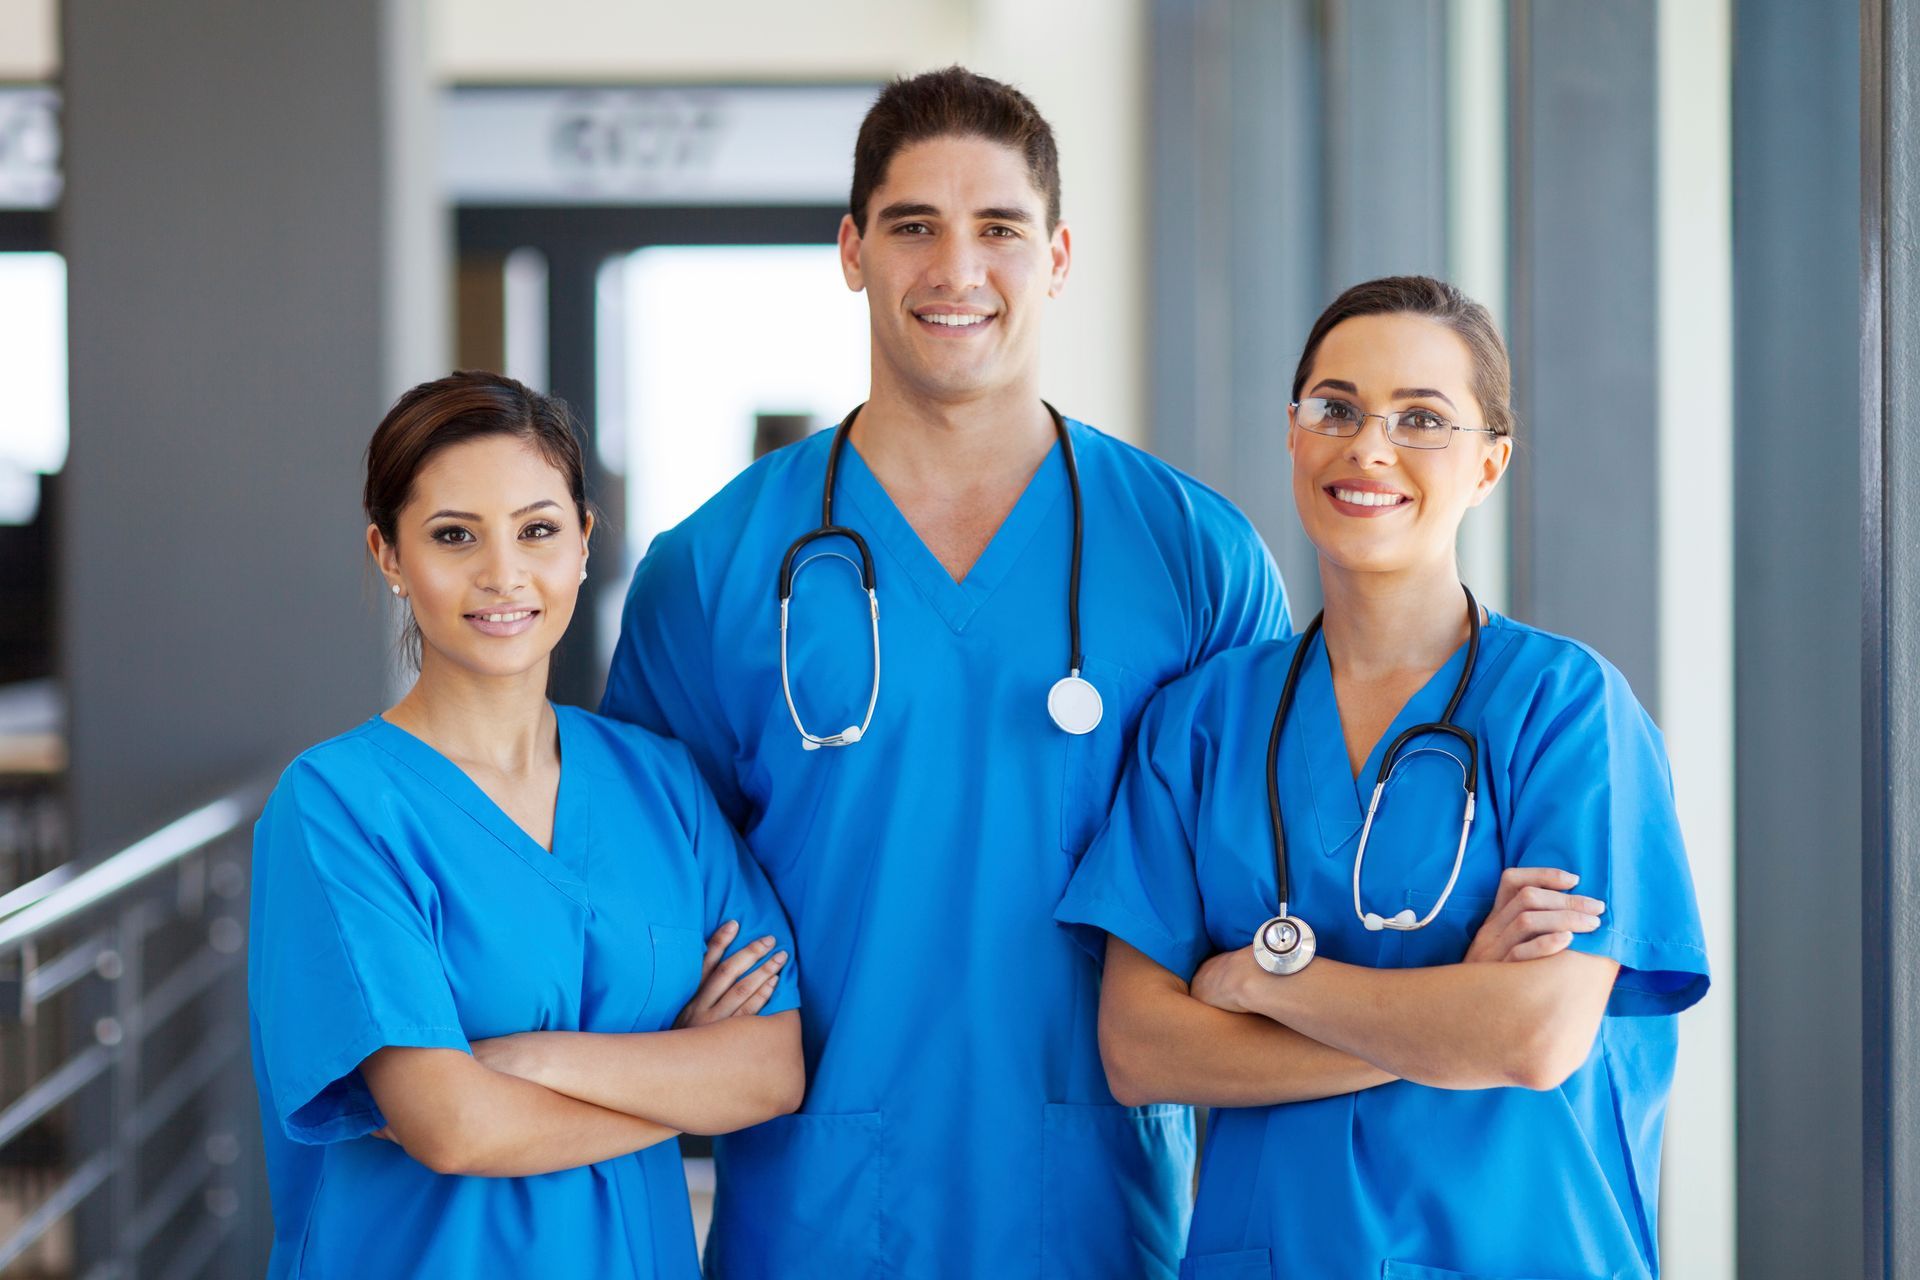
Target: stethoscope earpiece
(1402,920)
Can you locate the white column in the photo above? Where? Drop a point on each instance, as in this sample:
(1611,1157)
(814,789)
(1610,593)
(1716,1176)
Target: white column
(1477,235)
(1083,62)
(1695,407)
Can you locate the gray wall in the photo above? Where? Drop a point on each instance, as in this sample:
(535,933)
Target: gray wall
(1583,331)
(1796,107)
(241,178)
(1267,201)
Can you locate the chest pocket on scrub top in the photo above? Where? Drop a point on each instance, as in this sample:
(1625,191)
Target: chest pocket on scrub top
(676,973)
(1095,761)
(1446,940)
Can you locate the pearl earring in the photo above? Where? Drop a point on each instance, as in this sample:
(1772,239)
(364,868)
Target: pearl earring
(583,574)
(396,588)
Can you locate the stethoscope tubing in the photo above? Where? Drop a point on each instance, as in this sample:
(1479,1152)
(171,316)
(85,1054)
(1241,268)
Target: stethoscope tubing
(790,566)
(1075,660)
(1470,772)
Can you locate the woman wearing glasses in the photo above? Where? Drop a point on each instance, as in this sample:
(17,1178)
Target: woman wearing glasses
(1334,893)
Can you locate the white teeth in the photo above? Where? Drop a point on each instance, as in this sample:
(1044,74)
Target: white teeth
(505,617)
(956,322)
(1368,498)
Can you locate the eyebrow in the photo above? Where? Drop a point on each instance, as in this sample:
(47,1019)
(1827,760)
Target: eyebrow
(1401,393)
(1423,393)
(470,515)
(906,209)
(992,213)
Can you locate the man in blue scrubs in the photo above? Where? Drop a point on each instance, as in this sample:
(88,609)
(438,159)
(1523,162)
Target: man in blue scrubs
(957,1121)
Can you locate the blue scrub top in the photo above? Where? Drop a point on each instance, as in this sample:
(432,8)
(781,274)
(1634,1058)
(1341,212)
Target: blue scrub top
(1406,1181)
(957,1121)
(395,904)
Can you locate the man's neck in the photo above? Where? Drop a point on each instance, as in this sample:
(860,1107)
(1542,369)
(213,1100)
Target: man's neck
(954,468)
(919,445)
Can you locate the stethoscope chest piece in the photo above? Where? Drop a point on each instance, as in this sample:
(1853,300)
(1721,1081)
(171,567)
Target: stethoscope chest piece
(1284,945)
(1075,704)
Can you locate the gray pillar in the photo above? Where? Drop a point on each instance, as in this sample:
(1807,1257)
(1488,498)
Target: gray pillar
(253,253)
(1890,652)
(1386,141)
(1583,315)
(1235,268)
(1796,104)
(1286,135)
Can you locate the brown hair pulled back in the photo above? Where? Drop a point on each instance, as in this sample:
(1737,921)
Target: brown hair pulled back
(1437,300)
(952,103)
(463,406)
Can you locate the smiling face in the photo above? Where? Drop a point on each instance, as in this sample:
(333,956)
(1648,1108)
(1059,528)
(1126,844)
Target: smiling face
(1369,505)
(489,550)
(957,263)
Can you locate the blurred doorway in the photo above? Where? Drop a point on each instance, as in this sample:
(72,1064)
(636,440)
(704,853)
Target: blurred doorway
(718,355)
(662,260)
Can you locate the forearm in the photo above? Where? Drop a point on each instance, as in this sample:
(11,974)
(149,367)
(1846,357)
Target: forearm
(1462,1026)
(1160,1044)
(457,1117)
(1170,1047)
(706,1079)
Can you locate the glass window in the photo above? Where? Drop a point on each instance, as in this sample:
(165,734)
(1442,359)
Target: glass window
(33,368)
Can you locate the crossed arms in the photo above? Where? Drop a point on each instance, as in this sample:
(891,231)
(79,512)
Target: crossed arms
(542,1101)
(1520,1010)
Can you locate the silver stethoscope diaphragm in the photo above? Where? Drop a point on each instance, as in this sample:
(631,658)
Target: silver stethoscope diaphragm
(1284,944)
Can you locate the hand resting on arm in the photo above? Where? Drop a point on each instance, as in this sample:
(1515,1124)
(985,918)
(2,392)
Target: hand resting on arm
(1163,1042)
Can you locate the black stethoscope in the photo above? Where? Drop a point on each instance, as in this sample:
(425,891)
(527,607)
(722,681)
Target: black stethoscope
(1285,944)
(1073,702)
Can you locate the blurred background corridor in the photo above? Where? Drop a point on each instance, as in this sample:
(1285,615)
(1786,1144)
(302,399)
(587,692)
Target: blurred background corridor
(231,233)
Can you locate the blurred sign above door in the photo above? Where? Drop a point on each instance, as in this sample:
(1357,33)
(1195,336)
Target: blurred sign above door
(30,147)
(787,144)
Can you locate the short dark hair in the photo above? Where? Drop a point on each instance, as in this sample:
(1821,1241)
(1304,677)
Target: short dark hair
(952,102)
(447,411)
(1437,300)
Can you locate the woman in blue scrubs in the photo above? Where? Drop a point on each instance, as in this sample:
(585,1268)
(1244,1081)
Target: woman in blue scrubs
(496,960)
(1402,1107)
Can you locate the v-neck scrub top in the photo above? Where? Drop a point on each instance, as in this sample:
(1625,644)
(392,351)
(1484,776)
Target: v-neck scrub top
(957,1120)
(1406,1182)
(395,904)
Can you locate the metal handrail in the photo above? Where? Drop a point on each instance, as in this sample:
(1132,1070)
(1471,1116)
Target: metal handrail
(70,926)
(34,890)
(119,872)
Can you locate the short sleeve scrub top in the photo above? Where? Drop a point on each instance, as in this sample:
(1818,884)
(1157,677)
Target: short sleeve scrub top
(394,904)
(1406,1182)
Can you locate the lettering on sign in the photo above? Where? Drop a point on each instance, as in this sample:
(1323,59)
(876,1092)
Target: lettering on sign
(619,141)
(611,145)
(29,148)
